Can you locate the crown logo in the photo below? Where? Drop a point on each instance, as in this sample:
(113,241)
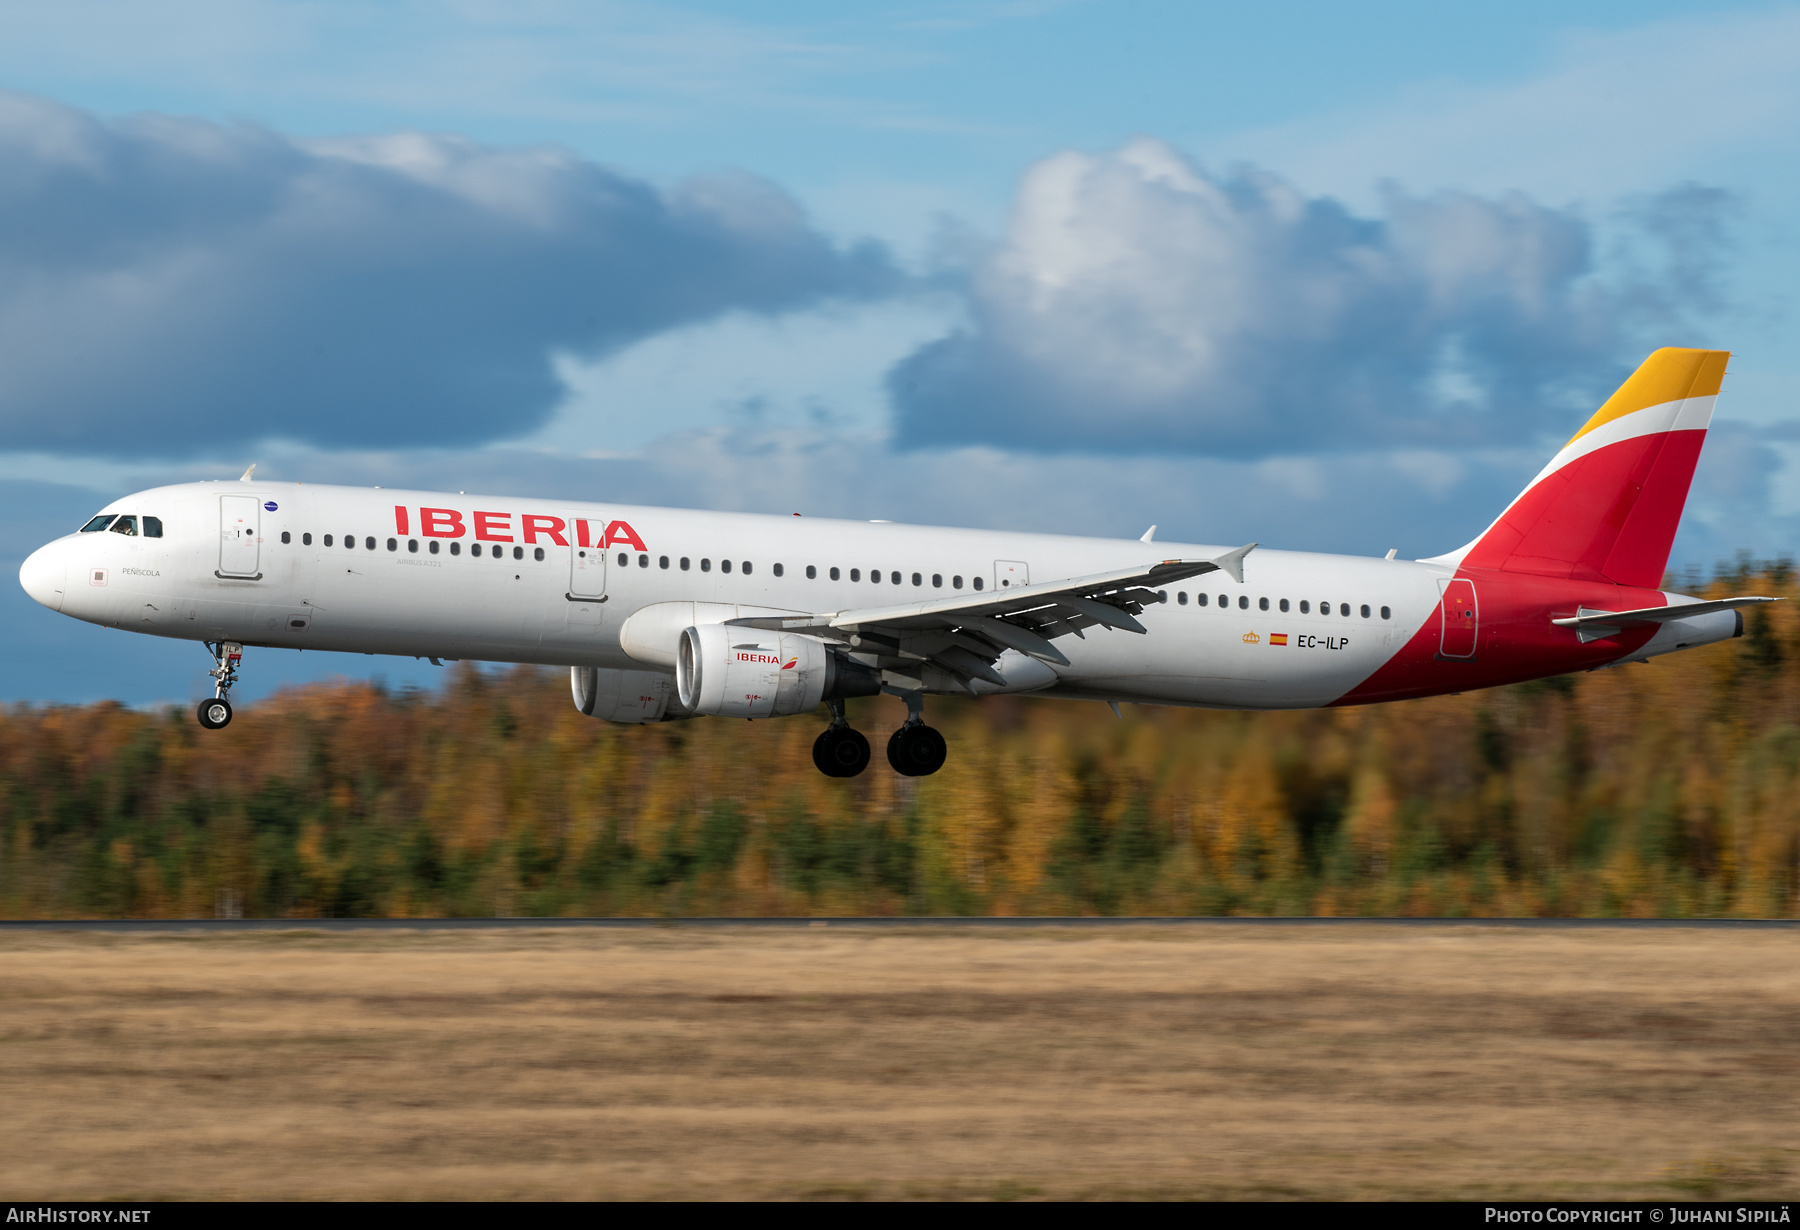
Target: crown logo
(1250,638)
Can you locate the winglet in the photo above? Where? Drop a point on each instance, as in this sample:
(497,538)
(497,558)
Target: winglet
(1149,535)
(247,473)
(1232,562)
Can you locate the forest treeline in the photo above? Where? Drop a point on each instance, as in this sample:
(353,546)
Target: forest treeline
(1660,789)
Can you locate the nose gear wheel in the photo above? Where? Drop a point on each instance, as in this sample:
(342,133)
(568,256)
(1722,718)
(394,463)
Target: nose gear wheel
(226,655)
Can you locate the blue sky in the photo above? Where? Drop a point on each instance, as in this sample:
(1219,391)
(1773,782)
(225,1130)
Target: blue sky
(1325,276)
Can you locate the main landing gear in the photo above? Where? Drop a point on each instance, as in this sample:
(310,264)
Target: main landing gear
(840,750)
(216,713)
(915,750)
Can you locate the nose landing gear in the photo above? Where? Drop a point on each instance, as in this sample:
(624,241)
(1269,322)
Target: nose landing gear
(840,750)
(216,713)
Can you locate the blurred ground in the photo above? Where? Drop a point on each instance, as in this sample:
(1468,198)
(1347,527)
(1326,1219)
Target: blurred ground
(1363,1062)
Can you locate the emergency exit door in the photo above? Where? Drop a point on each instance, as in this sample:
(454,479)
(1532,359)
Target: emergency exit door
(240,536)
(1011,573)
(1460,617)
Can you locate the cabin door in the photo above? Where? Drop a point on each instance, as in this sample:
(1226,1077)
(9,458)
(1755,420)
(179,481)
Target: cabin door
(240,533)
(1460,617)
(587,568)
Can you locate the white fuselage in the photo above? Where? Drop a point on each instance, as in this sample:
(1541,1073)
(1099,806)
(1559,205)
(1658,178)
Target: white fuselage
(250,562)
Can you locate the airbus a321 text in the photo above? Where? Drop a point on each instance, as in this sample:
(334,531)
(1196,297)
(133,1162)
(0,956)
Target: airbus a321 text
(662,613)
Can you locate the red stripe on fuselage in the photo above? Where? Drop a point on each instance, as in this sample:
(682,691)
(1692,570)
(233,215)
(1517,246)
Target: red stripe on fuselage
(1515,640)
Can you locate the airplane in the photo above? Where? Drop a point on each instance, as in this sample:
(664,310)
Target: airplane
(664,613)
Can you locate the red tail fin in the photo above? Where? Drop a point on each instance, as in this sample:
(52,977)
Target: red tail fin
(1606,507)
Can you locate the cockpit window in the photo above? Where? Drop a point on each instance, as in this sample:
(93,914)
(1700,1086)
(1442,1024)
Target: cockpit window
(152,527)
(98,523)
(125,525)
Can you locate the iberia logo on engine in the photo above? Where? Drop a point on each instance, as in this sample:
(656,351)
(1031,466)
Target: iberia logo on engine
(771,658)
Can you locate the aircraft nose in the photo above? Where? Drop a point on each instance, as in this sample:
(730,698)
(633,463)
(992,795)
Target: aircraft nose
(42,575)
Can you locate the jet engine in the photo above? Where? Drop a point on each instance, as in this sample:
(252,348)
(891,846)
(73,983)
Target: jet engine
(743,672)
(630,697)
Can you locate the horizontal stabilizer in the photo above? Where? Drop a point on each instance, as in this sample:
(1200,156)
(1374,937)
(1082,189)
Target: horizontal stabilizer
(1597,625)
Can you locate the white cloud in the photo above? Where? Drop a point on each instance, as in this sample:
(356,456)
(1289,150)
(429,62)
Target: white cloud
(172,286)
(1139,303)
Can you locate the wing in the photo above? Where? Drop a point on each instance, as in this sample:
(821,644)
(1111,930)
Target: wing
(965,634)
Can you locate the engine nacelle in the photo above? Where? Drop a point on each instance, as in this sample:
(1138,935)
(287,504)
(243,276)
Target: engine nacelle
(747,673)
(631,697)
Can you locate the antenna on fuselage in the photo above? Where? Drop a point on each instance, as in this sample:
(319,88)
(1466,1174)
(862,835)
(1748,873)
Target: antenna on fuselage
(245,477)
(1149,535)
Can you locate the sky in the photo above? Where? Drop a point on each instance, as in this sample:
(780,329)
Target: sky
(1320,276)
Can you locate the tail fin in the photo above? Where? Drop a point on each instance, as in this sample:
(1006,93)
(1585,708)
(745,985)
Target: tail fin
(1606,507)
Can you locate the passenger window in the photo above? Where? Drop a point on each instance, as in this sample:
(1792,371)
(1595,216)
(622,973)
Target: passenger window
(956,582)
(369,544)
(937,580)
(894,577)
(1365,610)
(1181,598)
(684,563)
(433,548)
(625,560)
(412,546)
(1284,606)
(643,560)
(306,540)
(855,574)
(1243,602)
(349,542)
(1344,609)
(977,582)
(1305,607)
(393,544)
(724,565)
(745,567)
(153,528)
(537,553)
(834,574)
(1324,608)
(1262,604)
(779,570)
(917,579)
(874,576)
(474,549)
(705,565)
(662,561)
(328,540)
(98,523)
(285,538)
(1224,601)
(455,548)
(519,553)
(812,572)
(126,526)
(1199,599)
(1386,614)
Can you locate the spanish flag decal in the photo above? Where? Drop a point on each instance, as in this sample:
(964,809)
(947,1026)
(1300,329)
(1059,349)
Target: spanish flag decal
(1277,638)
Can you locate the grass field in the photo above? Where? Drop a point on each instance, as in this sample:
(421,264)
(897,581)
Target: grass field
(843,1062)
